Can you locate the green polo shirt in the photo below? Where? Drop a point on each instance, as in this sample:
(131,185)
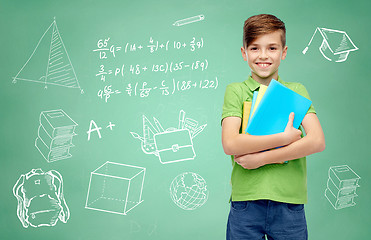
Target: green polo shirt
(278,182)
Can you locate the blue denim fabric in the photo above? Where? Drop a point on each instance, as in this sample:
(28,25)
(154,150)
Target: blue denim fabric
(253,220)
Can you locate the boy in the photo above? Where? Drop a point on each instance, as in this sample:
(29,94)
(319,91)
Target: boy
(267,197)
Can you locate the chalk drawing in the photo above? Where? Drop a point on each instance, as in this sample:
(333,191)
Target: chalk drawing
(49,62)
(189,20)
(115,188)
(341,188)
(172,144)
(336,45)
(55,134)
(40,199)
(189,191)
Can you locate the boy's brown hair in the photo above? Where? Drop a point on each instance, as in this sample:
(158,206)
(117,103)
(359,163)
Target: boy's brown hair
(258,25)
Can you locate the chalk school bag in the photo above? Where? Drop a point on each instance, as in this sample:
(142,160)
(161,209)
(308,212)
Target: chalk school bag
(40,198)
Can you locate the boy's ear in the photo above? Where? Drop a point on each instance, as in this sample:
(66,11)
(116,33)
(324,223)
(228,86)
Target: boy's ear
(284,53)
(243,52)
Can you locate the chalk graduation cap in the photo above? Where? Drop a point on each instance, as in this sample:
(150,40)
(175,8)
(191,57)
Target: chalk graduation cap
(336,45)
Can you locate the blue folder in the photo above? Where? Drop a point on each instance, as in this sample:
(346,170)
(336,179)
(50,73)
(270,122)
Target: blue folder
(272,114)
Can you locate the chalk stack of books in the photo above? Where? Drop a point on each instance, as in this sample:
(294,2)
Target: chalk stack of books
(341,188)
(55,134)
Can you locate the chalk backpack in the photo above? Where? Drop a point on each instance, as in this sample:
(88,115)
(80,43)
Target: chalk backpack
(40,198)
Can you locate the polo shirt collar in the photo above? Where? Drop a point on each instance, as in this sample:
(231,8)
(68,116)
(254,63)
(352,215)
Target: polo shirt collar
(254,85)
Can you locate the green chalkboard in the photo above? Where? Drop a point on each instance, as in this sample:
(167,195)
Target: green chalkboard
(110,115)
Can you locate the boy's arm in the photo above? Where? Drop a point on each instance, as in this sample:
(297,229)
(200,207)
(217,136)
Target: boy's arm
(235,143)
(313,142)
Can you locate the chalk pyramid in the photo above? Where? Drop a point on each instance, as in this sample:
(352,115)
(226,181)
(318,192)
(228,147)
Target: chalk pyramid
(49,63)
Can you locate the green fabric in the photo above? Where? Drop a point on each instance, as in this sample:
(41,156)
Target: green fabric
(278,182)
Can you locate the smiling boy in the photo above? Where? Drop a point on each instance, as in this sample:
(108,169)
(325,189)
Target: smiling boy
(267,198)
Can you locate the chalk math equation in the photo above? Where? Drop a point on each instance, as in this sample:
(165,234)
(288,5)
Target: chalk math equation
(142,80)
(137,69)
(143,89)
(106,49)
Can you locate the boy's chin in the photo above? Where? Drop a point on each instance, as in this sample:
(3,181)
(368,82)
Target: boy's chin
(263,76)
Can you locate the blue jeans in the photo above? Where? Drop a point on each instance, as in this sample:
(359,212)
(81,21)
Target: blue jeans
(253,220)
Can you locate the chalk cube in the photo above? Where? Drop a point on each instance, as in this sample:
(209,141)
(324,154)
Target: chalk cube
(115,188)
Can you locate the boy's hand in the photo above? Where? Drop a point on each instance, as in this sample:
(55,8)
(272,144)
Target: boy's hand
(249,161)
(292,133)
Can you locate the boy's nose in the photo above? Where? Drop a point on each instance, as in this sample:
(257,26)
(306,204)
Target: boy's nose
(263,54)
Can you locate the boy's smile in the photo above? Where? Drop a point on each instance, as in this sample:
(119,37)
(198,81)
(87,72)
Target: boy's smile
(264,56)
(263,64)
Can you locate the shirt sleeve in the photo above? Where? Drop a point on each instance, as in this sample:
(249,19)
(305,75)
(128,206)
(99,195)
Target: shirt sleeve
(233,103)
(303,91)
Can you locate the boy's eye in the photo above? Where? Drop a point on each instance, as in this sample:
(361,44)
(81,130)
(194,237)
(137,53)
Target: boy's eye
(253,48)
(272,48)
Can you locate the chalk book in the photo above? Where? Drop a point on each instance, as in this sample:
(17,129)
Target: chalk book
(272,113)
